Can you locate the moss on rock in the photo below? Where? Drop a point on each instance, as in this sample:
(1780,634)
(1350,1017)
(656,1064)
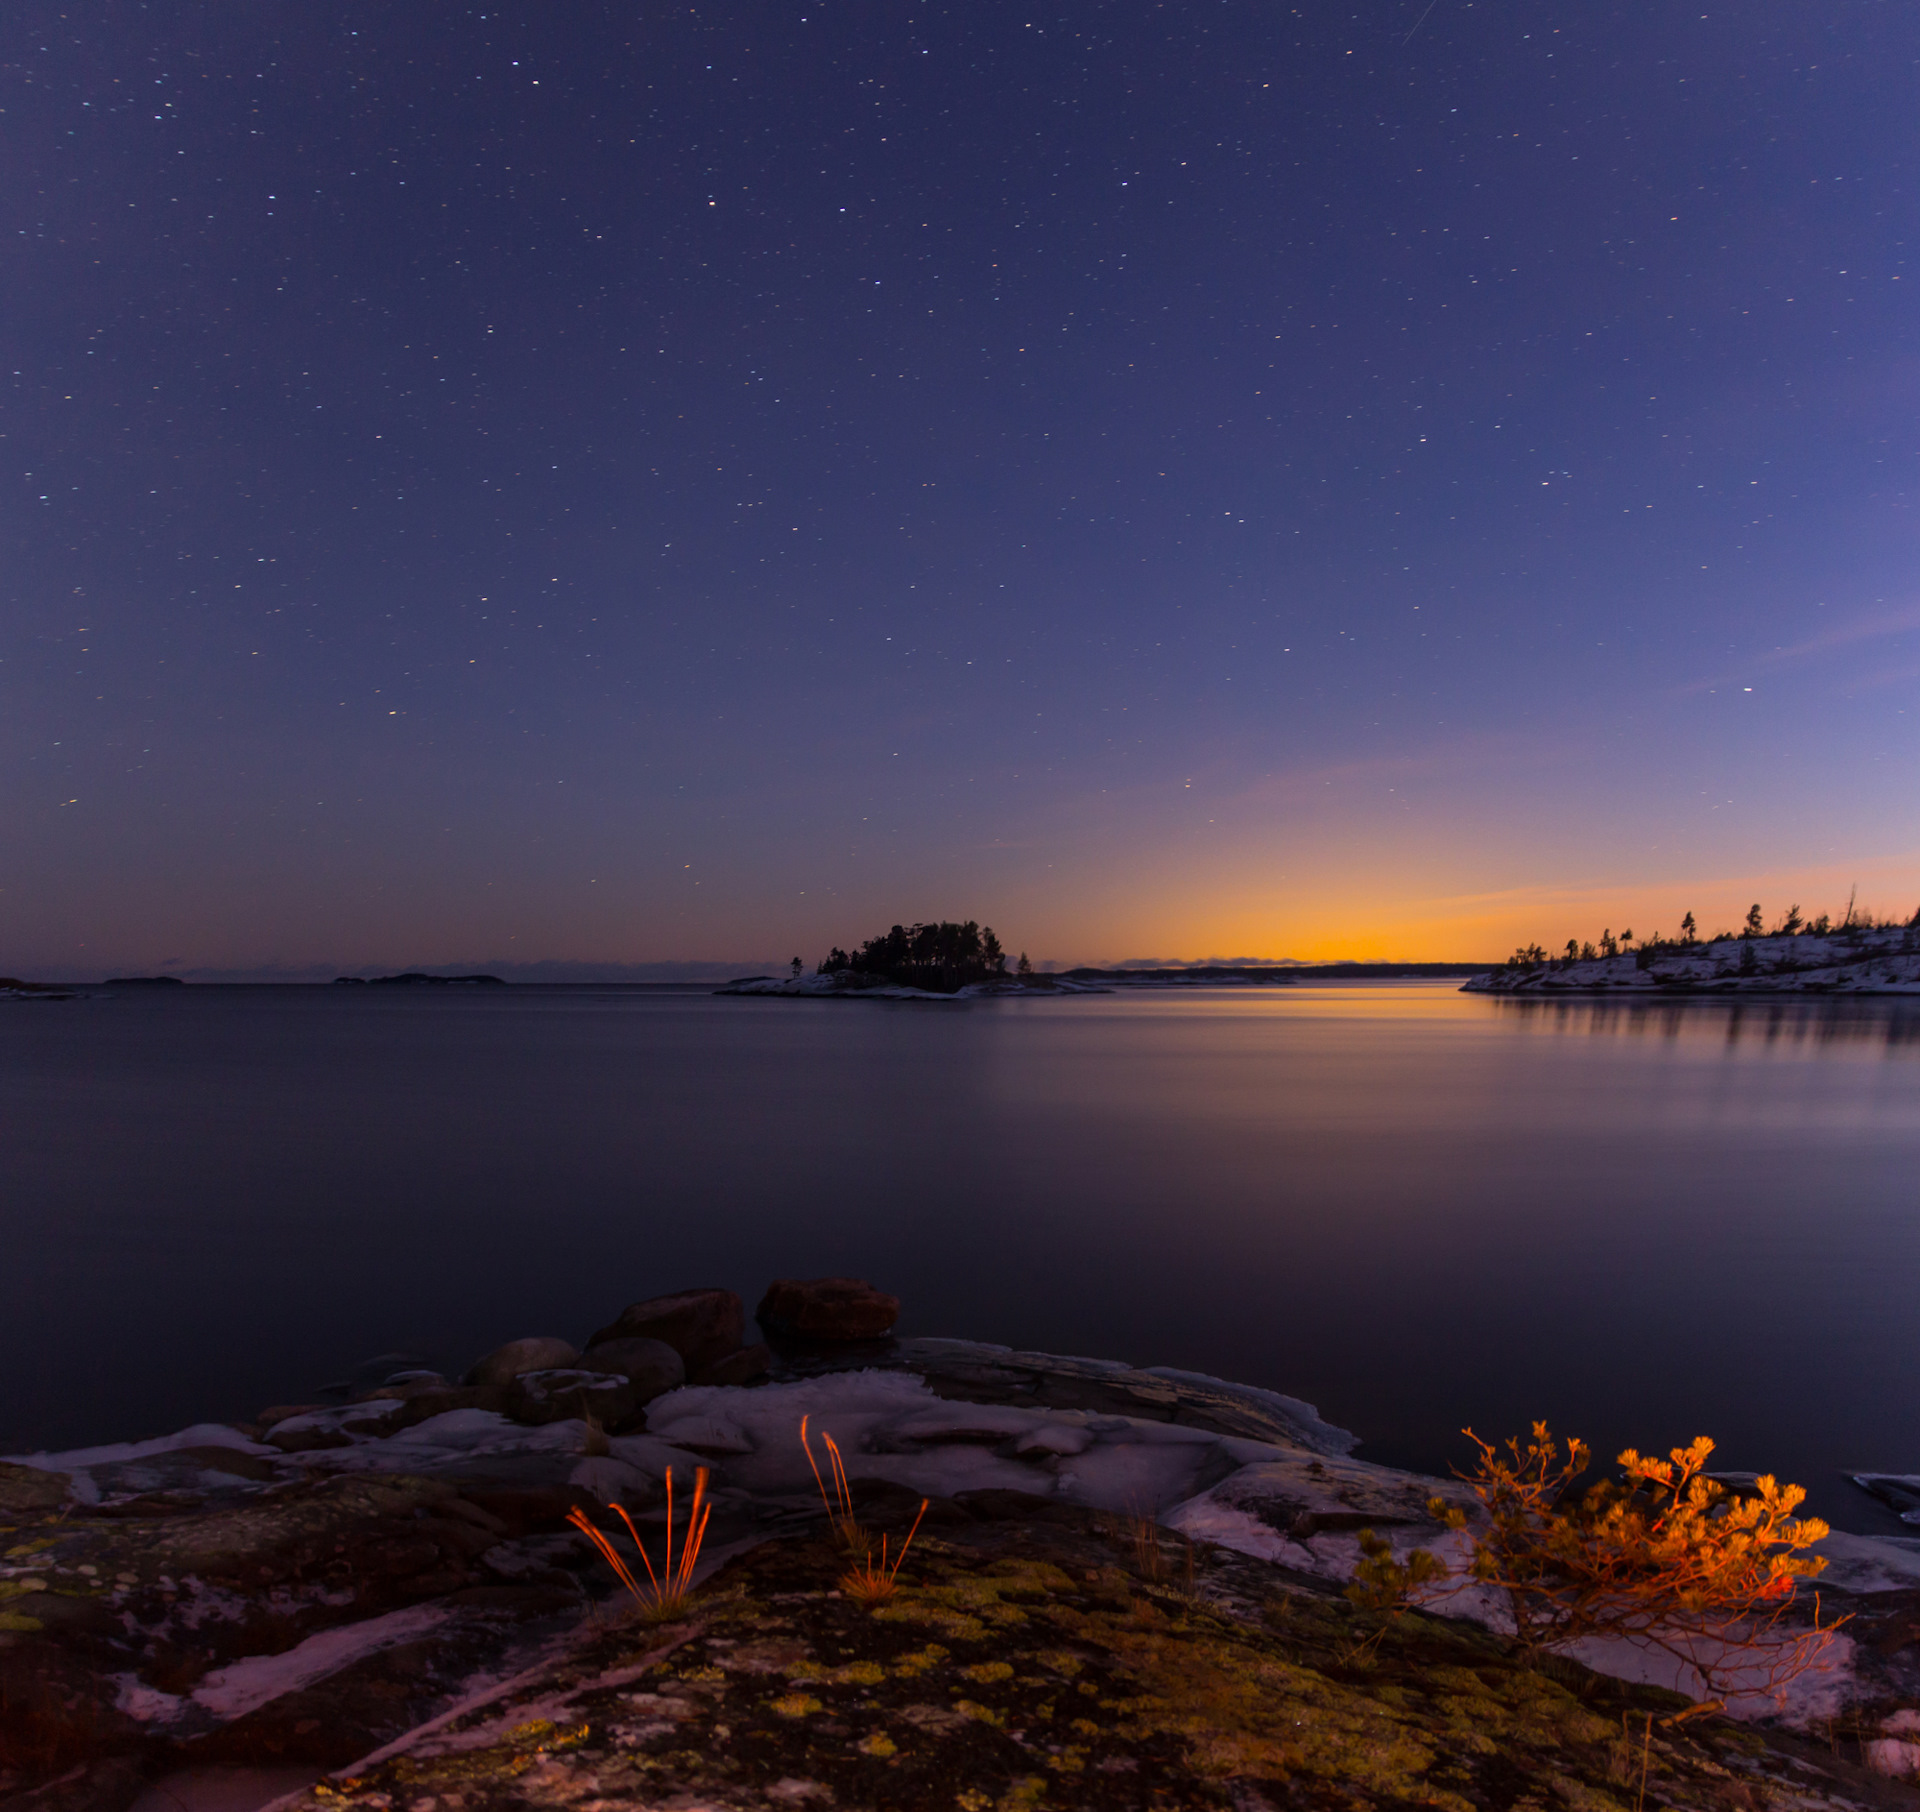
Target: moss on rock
(1023,1666)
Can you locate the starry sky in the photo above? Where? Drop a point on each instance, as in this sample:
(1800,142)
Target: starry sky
(623,485)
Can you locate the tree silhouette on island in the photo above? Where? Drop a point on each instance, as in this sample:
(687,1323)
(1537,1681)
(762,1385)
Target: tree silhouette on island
(942,958)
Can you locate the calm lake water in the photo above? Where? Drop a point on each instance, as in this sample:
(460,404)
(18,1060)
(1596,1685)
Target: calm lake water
(1415,1208)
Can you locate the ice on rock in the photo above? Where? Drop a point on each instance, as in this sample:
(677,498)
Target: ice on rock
(164,1463)
(78,1459)
(1307,1512)
(1139,1478)
(653,1454)
(986,1422)
(892,1426)
(235,1690)
(354,1420)
(609,1479)
(703,1434)
(1055,1437)
(460,1430)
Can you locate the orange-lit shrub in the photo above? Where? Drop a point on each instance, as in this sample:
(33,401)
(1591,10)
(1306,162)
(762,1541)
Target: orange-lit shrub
(1664,1557)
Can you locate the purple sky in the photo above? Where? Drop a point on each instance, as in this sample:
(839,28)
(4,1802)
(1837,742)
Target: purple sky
(616,485)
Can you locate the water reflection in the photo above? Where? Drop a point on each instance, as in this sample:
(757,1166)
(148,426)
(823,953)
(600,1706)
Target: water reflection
(1884,1026)
(1421,1209)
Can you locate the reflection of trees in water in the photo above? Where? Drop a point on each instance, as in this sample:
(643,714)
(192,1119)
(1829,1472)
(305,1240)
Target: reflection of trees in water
(1890,1024)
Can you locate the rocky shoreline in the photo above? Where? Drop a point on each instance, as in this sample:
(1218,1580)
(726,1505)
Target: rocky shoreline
(1885,960)
(1126,1592)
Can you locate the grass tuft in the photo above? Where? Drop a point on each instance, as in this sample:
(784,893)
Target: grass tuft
(870,1583)
(665,1592)
(845,1526)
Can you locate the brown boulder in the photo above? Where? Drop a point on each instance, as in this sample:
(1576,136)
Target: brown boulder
(700,1325)
(743,1367)
(540,1353)
(652,1366)
(608,1398)
(827,1308)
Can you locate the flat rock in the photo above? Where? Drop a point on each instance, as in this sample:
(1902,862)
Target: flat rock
(702,1326)
(537,1353)
(827,1309)
(651,1366)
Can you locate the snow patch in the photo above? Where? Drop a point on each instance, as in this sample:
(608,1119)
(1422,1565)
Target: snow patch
(232,1692)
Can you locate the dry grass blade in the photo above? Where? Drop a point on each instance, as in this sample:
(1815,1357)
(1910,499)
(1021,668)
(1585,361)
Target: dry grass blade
(1149,1559)
(871,1584)
(842,1521)
(666,1591)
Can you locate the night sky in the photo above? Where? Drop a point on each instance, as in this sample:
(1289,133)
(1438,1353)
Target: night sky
(616,485)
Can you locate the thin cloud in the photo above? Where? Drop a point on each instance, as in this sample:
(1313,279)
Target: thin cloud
(1860,631)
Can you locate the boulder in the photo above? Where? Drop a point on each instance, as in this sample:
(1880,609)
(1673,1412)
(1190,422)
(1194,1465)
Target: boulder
(827,1308)
(405,1384)
(538,1353)
(744,1367)
(700,1325)
(570,1394)
(652,1366)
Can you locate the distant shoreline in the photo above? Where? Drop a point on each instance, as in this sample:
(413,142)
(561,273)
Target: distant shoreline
(1884,960)
(1082,980)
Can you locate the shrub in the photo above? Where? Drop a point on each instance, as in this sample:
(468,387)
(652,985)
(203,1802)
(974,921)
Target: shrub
(1665,1558)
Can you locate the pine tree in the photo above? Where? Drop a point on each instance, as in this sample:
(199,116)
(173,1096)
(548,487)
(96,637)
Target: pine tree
(1753,925)
(1689,929)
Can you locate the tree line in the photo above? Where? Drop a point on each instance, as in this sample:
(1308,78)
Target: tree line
(941,956)
(1790,924)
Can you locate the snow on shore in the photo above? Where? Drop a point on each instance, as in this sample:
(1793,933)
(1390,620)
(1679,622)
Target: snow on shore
(1843,962)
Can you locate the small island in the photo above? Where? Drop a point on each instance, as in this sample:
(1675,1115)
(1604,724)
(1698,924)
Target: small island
(942,959)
